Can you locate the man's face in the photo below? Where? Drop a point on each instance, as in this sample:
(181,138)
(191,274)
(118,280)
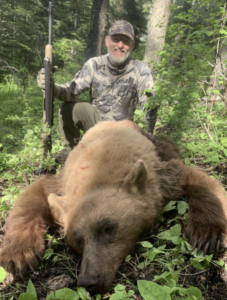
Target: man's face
(119,47)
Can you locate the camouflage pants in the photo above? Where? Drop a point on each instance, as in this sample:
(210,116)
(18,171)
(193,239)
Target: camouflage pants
(74,117)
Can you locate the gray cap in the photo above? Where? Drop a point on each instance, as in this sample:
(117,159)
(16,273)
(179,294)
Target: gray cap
(122,27)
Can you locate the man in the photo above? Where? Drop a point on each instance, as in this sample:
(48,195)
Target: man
(115,82)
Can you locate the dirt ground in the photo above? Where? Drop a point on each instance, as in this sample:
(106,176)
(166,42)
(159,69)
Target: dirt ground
(49,278)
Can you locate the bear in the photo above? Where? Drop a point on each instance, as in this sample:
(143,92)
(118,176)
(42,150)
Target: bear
(110,192)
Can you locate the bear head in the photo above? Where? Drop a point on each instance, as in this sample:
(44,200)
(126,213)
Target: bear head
(105,225)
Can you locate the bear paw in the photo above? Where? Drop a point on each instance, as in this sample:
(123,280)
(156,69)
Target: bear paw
(208,237)
(17,260)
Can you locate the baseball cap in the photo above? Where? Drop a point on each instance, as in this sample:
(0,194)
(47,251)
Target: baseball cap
(122,27)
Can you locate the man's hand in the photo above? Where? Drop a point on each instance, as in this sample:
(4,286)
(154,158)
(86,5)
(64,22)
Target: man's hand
(41,78)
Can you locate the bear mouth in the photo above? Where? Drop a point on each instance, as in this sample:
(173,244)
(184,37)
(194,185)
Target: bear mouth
(99,288)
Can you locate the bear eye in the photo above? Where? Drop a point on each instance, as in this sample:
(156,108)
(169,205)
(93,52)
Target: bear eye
(105,230)
(79,239)
(108,230)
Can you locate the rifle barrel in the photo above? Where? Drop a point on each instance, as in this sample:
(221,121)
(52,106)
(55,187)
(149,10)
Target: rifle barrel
(51,4)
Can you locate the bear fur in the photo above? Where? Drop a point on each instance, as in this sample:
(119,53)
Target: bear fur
(110,192)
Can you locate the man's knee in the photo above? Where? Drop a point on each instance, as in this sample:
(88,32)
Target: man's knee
(86,112)
(66,108)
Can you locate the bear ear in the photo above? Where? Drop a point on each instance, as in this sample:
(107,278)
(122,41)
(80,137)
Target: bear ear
(136,181)
(58,207)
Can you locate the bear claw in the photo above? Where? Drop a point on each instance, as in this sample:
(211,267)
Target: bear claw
(211,241)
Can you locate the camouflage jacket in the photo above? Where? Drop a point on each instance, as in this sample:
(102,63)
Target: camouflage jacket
(115,92)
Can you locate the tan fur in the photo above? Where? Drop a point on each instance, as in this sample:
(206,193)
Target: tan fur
(111,190)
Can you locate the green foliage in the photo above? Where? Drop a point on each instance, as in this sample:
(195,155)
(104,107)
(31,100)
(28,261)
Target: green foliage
(172,235)
(152,291)
(26,24)
(172,259)
(200,261)
(84,295)
(20,138)
(193,36)
(2,274)
(30,293)
(31,289)
(138,118)
(63,294)
(120,293)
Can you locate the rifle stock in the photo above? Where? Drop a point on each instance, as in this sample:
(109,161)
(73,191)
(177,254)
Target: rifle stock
(48,93)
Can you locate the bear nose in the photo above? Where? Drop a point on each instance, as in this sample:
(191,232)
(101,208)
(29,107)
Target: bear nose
(89,282)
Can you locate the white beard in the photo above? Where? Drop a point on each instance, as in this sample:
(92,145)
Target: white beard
(117,61)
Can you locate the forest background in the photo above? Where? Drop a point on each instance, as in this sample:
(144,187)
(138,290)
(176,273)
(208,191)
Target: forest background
(184,43)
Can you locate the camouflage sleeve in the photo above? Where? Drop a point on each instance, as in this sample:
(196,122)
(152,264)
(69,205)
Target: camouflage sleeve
(145,81)
(80,83)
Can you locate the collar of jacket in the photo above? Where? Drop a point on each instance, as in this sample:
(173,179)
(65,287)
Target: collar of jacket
(126,68)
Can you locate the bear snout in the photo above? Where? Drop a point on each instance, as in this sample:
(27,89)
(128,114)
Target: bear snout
(89,282)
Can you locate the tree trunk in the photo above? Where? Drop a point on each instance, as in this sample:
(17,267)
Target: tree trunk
(219,70)
(97,28)
(182,36)
(157,31)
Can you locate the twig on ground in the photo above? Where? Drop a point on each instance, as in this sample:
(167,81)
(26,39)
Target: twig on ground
(193,273)
(208,133)
(25,176)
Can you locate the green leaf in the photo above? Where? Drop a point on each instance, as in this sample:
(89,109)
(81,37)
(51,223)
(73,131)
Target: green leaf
(30,132)
(128,257)
(193,293)
(84,295)
(2,274)
(48,253)
(63,294)
(173,234)
(213,159)
(152,291)
(31,289)
(120,293)
(130,293)
(150,256)
(26,296)
(55,259)
(48,237)
(201,262)
(169,206)
(217,92)
(175,230)
(187,161)
(182,207)
(146,244)
(222,31)
(221,263)
(119,287)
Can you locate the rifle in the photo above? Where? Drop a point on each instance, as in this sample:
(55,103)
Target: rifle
(48,93)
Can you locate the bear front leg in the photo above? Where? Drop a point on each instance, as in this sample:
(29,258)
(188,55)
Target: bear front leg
(23,244)
(207,216)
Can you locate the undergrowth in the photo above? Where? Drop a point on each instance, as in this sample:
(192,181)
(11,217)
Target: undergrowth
(199,136)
